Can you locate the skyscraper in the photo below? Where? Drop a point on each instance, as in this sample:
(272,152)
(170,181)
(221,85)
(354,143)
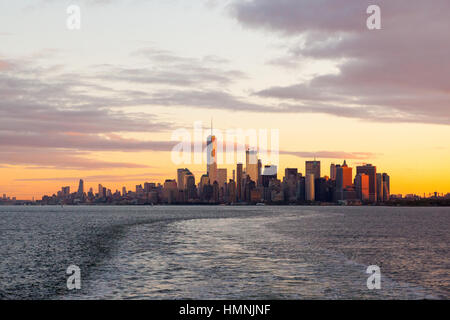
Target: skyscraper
(65,191)
(231,191)
(187,177)
(221,177)
(170,191)
(269,173)
(386,187)
(343,180)
(259,181)
(251,164)
(189,183)
(211,166)
(80,192)
(181,178)
(290,183)
(333,172)
(204,181)
(371,171)
(380,187)
(312,167)
(345,176)
(239,181)
(362,186)
(309,187)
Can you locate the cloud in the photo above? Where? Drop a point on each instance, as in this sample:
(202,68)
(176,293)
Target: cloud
(331,154)
(82,142)
(163,67)
(399,73)
(204,99)
(99,178)
(64,115)
(56,159)
(5,65)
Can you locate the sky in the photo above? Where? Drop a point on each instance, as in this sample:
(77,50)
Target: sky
(101,103)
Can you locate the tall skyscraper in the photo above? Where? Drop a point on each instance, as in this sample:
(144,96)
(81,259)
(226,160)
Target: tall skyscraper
(386,187)
(259,181)
(380,187)
(239,181)
(312,167)
(290,183)
(80,191)
(204,181)
(181,178)
(231,191)
(189,183)
(362,186)
(211,166)
(333,172)
(371,171)
(170,191)
(309,187)
(345,179)
(188,176)
(251,164)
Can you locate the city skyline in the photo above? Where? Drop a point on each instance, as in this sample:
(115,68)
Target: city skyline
(367,186)
(252,184)
(314,167)
(249,186)
(102,102)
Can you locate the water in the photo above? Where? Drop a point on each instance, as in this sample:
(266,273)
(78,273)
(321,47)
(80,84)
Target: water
(224,252)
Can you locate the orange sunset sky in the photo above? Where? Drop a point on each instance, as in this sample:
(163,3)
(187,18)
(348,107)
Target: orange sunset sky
(101,103)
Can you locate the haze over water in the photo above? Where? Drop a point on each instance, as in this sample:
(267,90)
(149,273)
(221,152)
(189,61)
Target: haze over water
(221,252)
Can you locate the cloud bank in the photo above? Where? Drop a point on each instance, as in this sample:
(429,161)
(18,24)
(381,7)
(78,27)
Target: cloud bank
(397,74)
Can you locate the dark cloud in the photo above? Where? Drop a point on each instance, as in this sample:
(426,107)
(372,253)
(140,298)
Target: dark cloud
(399,73)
